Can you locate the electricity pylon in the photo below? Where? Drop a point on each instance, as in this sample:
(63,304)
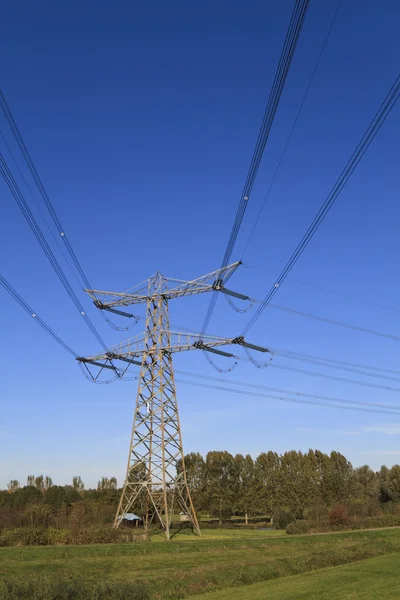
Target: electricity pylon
(156,477)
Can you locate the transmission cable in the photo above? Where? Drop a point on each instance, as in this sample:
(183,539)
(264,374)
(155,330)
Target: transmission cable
(283,391)
(278,166)
(372,130)
(25,153)
(284,399)
(14,294)
(42,190)
(299,313)
(333,377)
(328,290)
(288,50)
(26,211)
(313,357)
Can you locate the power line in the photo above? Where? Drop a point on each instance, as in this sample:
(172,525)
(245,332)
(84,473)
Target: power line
(372,130)
(31,166)
(328,290)
(284,399)
(343,367)
(299,313)
(26,211)
(313,357)
(288,50)
(333,377)
(38,206)
(293,128)
(283,391)
(14,294)
(43,192)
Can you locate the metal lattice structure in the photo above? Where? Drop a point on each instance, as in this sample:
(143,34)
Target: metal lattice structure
(155,482)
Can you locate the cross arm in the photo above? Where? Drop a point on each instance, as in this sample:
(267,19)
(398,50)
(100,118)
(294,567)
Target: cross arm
(133,349)
(176,288)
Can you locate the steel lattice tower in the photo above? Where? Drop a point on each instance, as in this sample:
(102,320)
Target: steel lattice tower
(152,479)
(155,482)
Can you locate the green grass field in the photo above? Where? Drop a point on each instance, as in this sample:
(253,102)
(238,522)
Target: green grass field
(222,559)
(367,580)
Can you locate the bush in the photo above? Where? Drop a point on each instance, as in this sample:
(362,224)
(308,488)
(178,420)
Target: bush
(339,515)
(298,527)
(282,517)
(71,590)
(40,536)
(312,526)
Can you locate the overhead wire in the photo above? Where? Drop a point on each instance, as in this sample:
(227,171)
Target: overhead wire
(333,377)
(49,205)
(57,241)
(291,353)
(299,313)
(300,109)
(35,175)
(285,399)
(35,228)
(14,294)
(285,60)
(290,392)
(330,365)
(328,290)
(369,135)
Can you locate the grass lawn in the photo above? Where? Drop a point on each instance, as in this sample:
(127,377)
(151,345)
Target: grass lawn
(222,559)
(367,580)
(220,534)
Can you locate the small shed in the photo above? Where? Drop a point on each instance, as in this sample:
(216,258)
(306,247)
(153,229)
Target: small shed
(183,517)
(132,520)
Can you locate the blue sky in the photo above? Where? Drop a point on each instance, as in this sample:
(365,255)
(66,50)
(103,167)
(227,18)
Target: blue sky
(141,119)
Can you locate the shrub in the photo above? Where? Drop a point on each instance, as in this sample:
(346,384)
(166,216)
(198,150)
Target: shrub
(71,590)
(312,526)
(301,526)
(39,536)
(339,515)
(282,517)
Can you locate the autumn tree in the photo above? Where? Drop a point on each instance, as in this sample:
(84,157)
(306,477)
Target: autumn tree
(13,485)
(77,483)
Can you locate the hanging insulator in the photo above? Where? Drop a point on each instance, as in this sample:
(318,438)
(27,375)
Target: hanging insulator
(88,375)
(212,363)
(255,362)
(235,307)
(117,328)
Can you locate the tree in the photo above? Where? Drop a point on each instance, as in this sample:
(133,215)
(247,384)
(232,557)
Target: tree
(13,486)
(77,483)
(337,479)
(106,483)
(295,482)
(245,500)
(59,496)
(365,486)
(48,482)
(195,471)
(26,495)
(266,474)
(39,483)
(30,480)
(393,483)
(220,483)
(383,476)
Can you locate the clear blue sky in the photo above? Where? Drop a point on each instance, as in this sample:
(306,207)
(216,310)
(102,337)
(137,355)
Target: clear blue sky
(141,119)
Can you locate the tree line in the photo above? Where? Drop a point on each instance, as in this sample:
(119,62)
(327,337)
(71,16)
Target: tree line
(222,485)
